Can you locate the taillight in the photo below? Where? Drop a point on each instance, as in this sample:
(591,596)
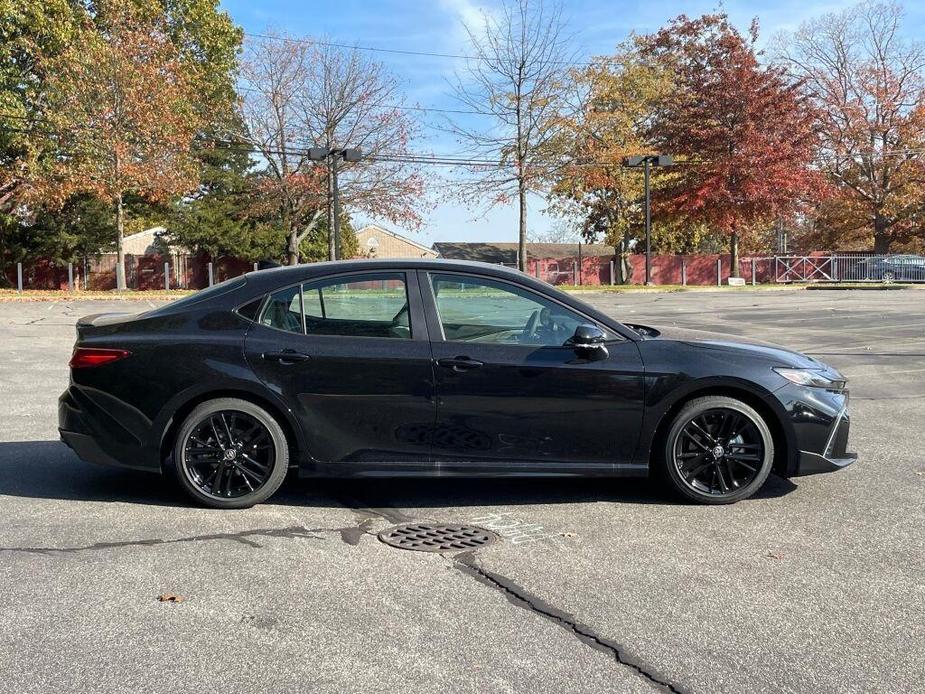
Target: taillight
(84,357)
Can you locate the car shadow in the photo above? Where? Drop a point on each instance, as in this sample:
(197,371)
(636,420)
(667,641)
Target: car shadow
(50,470)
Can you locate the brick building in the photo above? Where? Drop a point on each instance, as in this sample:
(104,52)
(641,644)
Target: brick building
(376,242)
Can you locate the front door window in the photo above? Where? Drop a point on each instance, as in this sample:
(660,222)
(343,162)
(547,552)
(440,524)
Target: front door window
(481,310)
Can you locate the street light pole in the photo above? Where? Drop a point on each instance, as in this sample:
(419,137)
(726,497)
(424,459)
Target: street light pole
(335,206)
(647,161)
(334,156)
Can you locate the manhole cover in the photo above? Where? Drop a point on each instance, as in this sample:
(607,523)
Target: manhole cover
(433,537)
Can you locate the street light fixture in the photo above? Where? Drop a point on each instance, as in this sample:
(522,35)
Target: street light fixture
(333,156)
(646,161)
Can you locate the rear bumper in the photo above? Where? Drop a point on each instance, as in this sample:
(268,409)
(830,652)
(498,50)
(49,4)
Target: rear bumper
(96,436)
(87,449)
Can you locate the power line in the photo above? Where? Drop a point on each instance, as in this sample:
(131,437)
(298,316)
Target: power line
(398,51)
(401,107)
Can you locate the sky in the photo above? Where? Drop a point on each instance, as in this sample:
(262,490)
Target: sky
(438,26)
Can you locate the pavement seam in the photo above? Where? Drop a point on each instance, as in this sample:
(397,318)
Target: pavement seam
(520,597)
(293,532)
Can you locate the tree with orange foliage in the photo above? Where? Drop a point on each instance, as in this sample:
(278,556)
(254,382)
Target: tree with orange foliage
(741,132)
(614,96)
(121,114)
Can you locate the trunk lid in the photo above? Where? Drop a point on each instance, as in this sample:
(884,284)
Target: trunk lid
(98,323)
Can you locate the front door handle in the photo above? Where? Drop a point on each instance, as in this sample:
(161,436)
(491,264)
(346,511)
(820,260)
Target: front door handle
(459,363)
(286,357)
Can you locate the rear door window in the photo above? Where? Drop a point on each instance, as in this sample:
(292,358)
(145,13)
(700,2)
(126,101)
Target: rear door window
(368,305)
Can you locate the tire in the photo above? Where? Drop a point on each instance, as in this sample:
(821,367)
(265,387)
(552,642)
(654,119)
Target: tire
(888,277)
(689,458)
(216,477)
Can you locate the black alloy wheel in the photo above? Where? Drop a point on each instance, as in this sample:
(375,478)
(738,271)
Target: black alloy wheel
(230,453)
(719,450)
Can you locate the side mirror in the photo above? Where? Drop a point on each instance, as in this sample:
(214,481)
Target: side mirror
(588,337)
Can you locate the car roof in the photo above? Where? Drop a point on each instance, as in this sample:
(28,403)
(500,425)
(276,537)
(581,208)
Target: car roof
(333,266)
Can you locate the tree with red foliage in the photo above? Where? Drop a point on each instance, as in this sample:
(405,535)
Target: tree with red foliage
(741,132)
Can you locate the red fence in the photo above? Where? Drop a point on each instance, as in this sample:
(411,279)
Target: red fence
(666,269)
(146,272)
(142,272)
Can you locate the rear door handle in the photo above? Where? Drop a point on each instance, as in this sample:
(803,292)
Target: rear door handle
(286,357)
(459,363)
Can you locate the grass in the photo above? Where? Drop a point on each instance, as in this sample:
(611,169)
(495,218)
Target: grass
(7,295)
(663,288)
(64,295)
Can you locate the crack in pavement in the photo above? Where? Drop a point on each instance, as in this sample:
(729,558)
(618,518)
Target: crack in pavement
(520,597)
(350,535)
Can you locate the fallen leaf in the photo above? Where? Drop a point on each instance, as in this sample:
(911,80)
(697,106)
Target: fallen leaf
(775,555)
(170,597)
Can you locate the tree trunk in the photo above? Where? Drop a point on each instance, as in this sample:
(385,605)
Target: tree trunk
(522,238)
(881,234)
(293,247)
(292,235)
(120,248)
(626,268)
(734,255)
(620,263)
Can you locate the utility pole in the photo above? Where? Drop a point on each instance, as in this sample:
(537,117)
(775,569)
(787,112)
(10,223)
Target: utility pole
(334,157)
(646,161)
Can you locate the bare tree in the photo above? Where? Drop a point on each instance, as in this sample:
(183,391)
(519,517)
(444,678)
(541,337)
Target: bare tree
(302,94)
(350,101)
(276,76)
(868,83)
(516,78)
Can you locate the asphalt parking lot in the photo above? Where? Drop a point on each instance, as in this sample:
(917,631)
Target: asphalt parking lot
(817,584)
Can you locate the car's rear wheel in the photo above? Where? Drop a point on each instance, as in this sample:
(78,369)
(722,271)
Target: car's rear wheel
(888,277)
(230,453)
(718,450)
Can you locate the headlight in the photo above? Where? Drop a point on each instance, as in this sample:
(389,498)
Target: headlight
(813,378)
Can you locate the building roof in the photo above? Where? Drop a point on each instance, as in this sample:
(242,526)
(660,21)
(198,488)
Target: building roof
(142,242)
(492,252)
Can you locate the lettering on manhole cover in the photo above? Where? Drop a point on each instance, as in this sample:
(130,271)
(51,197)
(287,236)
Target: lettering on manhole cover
(437,537)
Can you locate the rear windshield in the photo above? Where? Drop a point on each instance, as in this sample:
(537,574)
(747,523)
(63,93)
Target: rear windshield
(202,295)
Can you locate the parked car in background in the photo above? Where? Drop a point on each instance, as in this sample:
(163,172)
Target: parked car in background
(893,268)
(437,368)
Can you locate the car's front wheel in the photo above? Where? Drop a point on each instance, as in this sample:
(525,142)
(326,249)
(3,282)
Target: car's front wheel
(718,450)
(230,453)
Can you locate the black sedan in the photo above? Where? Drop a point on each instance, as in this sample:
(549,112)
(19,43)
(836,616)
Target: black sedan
(436,368)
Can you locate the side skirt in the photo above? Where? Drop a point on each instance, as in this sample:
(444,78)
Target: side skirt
(473,469)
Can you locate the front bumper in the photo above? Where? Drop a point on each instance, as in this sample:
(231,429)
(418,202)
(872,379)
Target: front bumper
(820,422)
